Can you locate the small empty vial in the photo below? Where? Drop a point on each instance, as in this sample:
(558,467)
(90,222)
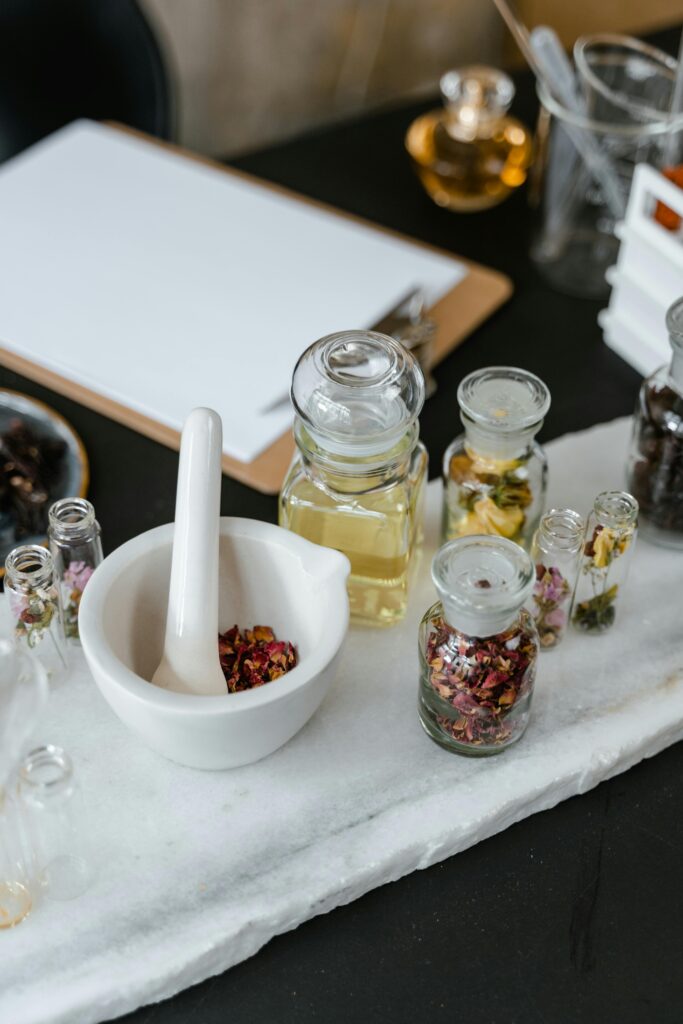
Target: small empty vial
(76,547)
(35,607)
(54,814)
(556,553)
(609,543)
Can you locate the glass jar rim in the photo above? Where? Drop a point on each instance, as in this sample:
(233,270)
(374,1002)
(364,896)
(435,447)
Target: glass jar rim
(46,769)
(29,565)
(482,578)
(71,514)
(355,463)
(524,408)
(616,509)
(564,527)
(615,128)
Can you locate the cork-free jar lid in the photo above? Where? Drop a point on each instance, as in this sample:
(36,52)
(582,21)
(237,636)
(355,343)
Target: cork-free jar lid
(482,583)
(503,399)
(357,391)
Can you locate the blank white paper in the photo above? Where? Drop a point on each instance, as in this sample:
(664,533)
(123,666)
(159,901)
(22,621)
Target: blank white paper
(164,284)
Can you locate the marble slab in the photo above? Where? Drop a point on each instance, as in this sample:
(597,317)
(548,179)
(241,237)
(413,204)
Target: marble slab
(196,871)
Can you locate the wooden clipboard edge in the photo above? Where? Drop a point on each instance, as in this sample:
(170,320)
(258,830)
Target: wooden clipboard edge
(457,314)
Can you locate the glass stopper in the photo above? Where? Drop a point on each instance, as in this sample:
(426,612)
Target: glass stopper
(357,392)
(482,583)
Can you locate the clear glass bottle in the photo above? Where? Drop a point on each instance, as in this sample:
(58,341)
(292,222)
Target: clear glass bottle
(655,468)
(478,647)
(495,473)
(23,694)
(556,553)
(471,154)
(35,607)
(609,543)
(16,895)
(356,482)
(76,547)
(53,808)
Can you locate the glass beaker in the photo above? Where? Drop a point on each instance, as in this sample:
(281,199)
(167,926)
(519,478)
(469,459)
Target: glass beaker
(624,79)
(575,240)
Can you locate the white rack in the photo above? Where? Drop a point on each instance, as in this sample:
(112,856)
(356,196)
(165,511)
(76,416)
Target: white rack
(648,275)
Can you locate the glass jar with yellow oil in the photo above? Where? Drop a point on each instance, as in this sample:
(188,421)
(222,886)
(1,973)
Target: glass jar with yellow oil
(471,154)
(356,482)
(495,473)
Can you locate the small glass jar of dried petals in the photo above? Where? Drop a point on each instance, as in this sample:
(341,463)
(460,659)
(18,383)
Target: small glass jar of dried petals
(478,647)
(495,473)
(609,543)
(556,553)
(76,548)
(35,607)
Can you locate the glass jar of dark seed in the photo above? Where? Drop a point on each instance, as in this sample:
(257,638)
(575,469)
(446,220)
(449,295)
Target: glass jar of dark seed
(655,468)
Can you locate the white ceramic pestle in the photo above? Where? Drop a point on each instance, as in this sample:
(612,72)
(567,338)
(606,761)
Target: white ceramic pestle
(190,662)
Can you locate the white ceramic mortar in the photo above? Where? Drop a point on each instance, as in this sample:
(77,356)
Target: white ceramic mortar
(268,576)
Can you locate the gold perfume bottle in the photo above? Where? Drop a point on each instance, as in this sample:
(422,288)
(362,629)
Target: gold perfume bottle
(471,154)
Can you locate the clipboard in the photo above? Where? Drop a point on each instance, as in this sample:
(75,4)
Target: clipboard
(456,314)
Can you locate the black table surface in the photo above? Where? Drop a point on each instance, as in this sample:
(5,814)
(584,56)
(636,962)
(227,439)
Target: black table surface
(571,915)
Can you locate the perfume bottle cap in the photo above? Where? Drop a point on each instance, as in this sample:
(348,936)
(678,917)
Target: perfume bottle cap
(357,391)
(482,583)
(476,96)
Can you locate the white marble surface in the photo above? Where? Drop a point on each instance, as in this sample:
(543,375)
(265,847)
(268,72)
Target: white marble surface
(198,870)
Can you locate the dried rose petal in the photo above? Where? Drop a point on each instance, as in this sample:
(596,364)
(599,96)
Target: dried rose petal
(481,681)
(254,658)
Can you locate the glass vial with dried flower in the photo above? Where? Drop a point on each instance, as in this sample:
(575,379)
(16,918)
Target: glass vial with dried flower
(35,607)
(478,647)
(495,473)
(609,543)
(53,807)
(356,482)
(76,547)
(655,470)
(556,553)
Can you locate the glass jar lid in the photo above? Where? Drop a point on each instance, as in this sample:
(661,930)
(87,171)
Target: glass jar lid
(482,583)
(561,529)
(504,399)
(357,391)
